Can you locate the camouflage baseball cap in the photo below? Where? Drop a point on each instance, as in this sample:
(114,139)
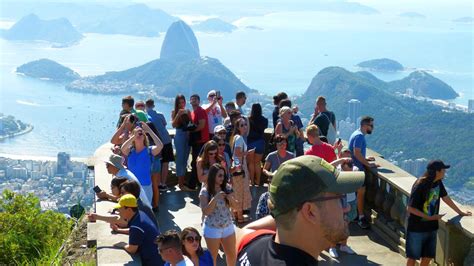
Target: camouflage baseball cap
(303,178)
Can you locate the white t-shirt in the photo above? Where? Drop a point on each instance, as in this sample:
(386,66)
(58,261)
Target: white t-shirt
(214,116)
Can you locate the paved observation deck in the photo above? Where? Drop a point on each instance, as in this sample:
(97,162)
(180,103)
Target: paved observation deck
(383,244)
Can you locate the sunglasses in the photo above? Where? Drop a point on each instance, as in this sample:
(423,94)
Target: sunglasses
(222,145)
(243,125)
(191,239)
(221,133)
(212,153)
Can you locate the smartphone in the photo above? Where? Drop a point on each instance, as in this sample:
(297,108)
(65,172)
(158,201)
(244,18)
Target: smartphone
(97,189)
(339,141)
(218,94)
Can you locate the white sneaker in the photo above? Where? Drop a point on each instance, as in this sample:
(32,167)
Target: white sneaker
(346,249)
(333,253)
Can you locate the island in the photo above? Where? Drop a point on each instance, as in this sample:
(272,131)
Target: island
(424,85)
(48,70)
(382,65)
(135,20)
(11,127)
(418,128)
(60,31)
(180,69)
(214,25)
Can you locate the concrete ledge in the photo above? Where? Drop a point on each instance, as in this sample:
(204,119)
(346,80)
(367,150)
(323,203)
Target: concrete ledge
(99,233)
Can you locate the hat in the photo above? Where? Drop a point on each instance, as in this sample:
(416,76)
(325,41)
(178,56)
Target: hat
(437,165)
(127,200)
(301,179)
(219,128)
(211,92)
(284,109)
(115,160)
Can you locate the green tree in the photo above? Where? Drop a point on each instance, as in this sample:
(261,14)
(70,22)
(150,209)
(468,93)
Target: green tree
(28,235)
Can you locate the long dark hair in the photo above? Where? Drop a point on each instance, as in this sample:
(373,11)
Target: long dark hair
(176,103)
(211,180)
(183,236)
(256,111)
(426,181)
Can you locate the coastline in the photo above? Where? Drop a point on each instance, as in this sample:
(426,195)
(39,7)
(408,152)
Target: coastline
(28,129)
(39,157)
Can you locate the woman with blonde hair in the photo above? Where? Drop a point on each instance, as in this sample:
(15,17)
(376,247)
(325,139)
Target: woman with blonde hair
(140,155)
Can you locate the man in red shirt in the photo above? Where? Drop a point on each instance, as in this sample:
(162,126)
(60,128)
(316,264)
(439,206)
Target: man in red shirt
(198,136)
(319,148)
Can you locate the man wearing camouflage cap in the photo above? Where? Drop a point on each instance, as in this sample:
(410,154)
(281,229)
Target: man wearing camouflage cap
(305,202)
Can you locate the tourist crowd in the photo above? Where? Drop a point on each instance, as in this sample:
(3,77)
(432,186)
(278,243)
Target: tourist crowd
(313,194)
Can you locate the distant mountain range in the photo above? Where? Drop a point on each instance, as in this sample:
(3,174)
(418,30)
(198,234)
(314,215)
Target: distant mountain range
(419,129)
(137,20)
(48,70)
(214,25)
(180,69)
(32,28)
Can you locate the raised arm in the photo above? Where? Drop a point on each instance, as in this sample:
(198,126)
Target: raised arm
(158,144)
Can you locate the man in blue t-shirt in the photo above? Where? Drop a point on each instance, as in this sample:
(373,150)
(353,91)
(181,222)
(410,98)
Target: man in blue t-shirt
(358,147)
(142,234)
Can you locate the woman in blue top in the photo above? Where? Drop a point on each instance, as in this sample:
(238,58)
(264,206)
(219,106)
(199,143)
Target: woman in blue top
(192,247)
(140,156)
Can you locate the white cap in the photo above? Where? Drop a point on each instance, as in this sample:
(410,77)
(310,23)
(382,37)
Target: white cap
(219,128)
(210,93)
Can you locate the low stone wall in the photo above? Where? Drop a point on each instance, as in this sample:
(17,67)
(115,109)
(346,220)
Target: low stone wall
(387,195)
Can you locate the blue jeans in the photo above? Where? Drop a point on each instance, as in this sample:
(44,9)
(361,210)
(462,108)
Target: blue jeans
(421,245)
(182,151)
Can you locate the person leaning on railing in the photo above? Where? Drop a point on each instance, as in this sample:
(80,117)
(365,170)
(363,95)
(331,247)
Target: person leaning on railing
(423,213)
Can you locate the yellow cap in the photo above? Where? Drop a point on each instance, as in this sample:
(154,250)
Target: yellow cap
(126,201)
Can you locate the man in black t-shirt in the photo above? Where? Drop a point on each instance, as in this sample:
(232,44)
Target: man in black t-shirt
(423,213)
(305,201)
(322,117)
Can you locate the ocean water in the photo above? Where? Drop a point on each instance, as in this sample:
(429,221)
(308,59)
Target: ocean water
(290,50)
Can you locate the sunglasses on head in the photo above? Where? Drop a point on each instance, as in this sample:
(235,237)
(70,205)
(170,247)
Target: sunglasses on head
(191,239)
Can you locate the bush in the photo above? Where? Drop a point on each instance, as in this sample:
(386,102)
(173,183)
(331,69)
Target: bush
(28,235)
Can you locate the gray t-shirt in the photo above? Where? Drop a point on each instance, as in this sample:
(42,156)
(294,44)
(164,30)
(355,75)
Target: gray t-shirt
(275,160)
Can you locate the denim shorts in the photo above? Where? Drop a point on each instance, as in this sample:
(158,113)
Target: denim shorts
(156,165)
(259,146)
(421,244)
(215,232)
